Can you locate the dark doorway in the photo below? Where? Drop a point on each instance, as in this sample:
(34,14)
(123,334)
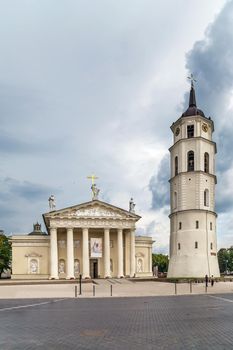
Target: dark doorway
(94,268)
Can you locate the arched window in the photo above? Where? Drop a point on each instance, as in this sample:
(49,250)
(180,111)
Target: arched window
(206,198)
(196,245)
(190,161)
(175,200)
(178,246)
(211,246)
(176,165)
(206,162)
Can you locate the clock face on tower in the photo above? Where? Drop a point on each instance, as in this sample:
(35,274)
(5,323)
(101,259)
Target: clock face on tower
(205,127)
(177,131)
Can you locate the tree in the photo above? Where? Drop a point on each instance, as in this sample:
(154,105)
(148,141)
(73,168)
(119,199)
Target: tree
(5,254)
(225,259)
(161,261)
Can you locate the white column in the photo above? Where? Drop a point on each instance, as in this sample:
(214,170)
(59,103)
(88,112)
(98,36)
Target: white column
(120,252)
(132,253)
(53,254)
(150,261)
(70,254)
(86,262)
(107,272)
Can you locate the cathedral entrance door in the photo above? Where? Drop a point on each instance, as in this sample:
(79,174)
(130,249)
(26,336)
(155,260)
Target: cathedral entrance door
(94,268)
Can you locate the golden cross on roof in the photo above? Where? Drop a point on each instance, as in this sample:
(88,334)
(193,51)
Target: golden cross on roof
(192,79)
(93,178)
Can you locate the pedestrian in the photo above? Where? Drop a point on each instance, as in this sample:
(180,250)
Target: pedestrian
(212,281)
(206,280)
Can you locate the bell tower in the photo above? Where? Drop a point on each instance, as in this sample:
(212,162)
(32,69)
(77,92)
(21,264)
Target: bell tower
(193,244)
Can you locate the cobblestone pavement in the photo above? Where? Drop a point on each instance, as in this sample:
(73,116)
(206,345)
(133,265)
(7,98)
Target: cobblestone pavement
(174,322)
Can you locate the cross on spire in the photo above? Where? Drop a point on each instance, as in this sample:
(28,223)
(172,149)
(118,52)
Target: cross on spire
(192,79)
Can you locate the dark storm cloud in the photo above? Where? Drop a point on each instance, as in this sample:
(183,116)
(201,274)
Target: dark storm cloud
(211,60)
(159,186)
(25,190)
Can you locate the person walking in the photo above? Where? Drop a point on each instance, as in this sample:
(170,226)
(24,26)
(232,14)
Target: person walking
(206,280)
(212,281)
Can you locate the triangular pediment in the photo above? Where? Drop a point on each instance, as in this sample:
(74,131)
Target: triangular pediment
(94,209)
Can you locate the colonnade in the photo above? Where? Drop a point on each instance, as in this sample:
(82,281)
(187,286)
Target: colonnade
(85,253)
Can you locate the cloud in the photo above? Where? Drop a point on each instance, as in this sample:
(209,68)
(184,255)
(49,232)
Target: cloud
(159,185)
(20,199)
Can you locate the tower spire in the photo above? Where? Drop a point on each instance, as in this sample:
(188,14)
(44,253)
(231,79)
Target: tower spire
(192,97)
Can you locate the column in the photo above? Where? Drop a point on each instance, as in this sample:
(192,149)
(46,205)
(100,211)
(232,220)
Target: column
(150,261)
(86,262)
(132,253)
(107,272)
(120,252)
(53,254)
(70,254)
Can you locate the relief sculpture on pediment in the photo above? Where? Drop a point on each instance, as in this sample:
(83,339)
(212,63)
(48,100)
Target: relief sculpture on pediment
(97,212)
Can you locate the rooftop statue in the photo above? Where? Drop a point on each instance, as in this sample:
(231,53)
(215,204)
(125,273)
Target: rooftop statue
(131,206)
(52,203)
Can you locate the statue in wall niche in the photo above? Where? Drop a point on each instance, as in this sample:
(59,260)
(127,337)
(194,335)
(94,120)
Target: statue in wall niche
(139,265)
(61,267)
(95,192)
(33,266)
(131,206)
(76,266)
(52,203)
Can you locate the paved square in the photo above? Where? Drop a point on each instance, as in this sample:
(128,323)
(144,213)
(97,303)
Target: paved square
(171,322)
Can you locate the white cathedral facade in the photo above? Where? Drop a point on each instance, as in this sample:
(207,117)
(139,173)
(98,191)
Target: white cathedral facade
(193,244)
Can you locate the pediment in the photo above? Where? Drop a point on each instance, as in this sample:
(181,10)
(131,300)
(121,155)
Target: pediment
(92,210)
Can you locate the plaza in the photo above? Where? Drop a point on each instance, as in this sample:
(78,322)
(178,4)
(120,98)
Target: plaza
(163,322)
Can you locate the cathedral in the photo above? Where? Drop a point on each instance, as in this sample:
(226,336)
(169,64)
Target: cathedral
(193,244)
(93,239)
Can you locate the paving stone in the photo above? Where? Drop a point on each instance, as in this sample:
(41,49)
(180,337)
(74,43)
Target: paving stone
(174,322)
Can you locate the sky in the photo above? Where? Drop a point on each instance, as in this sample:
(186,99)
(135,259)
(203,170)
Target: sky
(93,87)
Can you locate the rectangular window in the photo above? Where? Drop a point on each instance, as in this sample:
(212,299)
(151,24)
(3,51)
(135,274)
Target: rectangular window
(211,226)
(178,246)
(197,224)
(180,225)
(190,131)
(211,246)
(196,245)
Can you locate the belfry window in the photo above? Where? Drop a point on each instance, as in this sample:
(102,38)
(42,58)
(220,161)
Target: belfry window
(211,226)
(190,161)
(206,198)
(196,245)
(197,224)
(190,131)
(176,165)
(180,225)
(206,162)
(178,246)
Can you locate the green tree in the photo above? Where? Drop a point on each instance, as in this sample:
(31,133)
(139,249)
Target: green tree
(161,261)
(225,259)
(5,254)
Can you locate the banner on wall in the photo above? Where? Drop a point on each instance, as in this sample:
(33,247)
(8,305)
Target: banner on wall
(96,247)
